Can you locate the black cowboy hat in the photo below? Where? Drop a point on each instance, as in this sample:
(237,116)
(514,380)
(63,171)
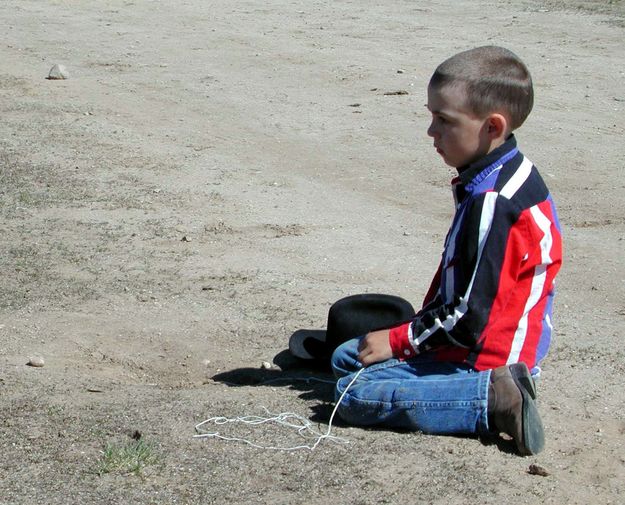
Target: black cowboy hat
(350,317)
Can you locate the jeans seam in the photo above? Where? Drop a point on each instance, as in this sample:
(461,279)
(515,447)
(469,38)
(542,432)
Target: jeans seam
(420,403)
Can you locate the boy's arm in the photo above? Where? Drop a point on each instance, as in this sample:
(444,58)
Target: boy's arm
(434,285)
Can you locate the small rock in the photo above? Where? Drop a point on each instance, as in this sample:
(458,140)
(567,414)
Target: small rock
(266,365)
(58,72)
(400,71)
(537,470)
(185,239)
(36,361)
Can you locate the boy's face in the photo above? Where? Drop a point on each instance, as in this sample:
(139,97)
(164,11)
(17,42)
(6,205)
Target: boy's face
(460,137)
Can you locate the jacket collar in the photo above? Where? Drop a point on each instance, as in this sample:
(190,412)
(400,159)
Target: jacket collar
(469,172)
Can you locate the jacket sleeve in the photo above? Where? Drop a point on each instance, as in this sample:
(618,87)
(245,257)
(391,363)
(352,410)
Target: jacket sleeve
(489,244)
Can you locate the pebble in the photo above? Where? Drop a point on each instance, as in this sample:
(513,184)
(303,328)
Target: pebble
(537,470)
(266,365)
(36,361)
(58,72)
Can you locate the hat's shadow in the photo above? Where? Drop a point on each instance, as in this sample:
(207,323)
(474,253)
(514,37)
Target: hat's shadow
(314,380)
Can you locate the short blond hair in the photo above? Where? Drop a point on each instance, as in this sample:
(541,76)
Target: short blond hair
(493,79)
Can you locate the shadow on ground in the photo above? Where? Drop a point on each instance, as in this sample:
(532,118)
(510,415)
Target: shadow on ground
(315,382)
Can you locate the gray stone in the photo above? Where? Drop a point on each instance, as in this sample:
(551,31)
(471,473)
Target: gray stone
(58,72)
(36,361)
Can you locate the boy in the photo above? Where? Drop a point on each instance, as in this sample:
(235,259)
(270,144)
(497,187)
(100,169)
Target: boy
(460,365)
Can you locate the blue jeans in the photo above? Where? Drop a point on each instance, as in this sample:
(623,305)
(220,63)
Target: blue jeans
(417,394)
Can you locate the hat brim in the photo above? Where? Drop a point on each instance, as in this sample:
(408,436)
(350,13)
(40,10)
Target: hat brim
(308,344)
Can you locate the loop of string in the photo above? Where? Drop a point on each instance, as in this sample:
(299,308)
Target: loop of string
(302,425)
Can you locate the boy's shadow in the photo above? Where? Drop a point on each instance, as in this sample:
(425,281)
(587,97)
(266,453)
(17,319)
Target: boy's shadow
(313,381)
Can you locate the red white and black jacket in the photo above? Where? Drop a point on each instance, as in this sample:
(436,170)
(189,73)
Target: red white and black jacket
(490,302)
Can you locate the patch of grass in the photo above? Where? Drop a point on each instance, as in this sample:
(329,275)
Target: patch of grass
(24,185)
(128,458)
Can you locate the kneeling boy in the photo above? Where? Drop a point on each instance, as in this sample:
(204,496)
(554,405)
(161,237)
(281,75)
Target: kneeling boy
(462,364)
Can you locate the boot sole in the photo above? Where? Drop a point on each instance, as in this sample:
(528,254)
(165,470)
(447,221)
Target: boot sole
(533,433)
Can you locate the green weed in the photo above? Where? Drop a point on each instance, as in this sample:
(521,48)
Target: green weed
(129,458)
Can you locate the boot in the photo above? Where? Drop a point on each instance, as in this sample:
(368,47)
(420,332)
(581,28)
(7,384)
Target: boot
(512,407)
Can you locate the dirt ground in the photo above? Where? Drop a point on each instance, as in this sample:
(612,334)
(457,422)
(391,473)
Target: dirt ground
(212,176)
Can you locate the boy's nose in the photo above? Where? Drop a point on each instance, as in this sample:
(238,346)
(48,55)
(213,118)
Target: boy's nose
(431,130)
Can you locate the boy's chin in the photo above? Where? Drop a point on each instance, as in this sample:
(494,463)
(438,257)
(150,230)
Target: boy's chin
(457,164)
(449,163)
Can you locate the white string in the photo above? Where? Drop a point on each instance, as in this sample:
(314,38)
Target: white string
(287,419)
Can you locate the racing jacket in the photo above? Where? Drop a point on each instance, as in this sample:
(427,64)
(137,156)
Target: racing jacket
(490,302)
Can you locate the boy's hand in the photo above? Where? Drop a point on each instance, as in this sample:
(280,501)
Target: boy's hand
(375,347)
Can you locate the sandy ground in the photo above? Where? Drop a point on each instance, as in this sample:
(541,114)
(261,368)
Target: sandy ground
(204,184)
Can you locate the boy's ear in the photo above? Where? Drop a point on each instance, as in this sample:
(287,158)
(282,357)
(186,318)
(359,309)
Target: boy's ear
(497,125)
